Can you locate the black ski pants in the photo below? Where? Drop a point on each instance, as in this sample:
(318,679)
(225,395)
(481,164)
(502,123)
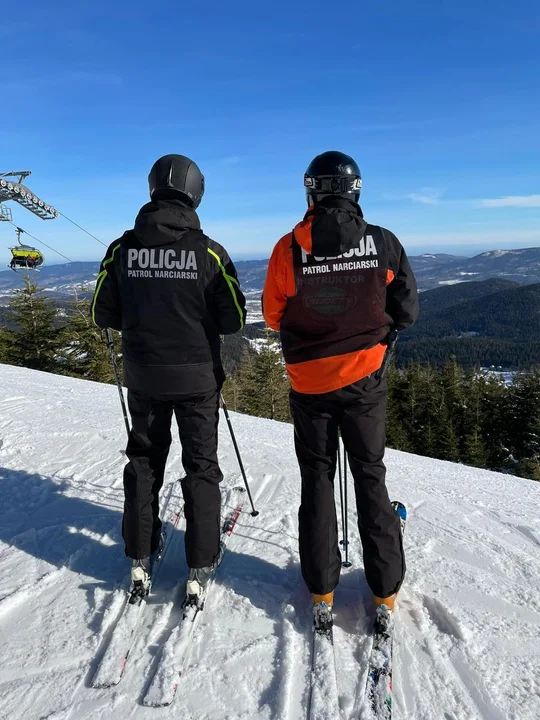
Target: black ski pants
(147,450)
(359,412)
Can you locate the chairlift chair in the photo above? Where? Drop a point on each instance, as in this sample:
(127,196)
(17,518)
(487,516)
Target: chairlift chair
(25,257)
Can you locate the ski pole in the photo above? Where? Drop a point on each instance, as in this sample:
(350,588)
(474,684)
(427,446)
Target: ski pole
(347,563)
(110,346)
(343,503)
(392,340)
(254,512)
(342,543)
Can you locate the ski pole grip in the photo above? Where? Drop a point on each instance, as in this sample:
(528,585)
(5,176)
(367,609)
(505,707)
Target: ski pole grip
(391,345)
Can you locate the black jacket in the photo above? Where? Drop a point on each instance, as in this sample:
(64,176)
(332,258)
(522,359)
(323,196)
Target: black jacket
(336,226)
(334,288)
(171,291)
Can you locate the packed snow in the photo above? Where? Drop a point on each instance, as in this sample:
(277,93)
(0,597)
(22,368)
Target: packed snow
(467,630)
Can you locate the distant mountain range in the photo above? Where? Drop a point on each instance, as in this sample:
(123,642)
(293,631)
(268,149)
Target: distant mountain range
(490,309)
(436,270)
(484,310)
(58,280)
(522,266)
(432,271)
(492,322)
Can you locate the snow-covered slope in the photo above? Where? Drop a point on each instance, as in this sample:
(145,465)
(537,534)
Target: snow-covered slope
(468,636)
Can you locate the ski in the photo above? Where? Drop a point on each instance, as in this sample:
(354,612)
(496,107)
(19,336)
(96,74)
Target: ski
(379,677)
(175,652)
(121,640)
(323,693)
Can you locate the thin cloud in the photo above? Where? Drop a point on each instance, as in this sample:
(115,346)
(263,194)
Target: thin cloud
(515,201)
(427,196)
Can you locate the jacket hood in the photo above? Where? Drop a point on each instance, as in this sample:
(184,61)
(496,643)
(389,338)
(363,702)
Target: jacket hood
(164,222)
(331,227)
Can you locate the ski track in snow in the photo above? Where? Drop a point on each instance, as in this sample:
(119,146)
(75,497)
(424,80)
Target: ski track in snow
(467,643)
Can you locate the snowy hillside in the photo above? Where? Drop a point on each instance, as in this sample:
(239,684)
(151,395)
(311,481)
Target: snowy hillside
(468,633)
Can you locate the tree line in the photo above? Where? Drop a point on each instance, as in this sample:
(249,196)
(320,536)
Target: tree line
(446,412)
(449,412)
(39,336)
(472,351)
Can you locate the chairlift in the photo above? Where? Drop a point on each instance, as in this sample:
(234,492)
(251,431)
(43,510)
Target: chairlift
(25,257)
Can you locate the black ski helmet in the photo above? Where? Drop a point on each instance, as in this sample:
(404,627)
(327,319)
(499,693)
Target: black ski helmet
(332,173)
(176,176)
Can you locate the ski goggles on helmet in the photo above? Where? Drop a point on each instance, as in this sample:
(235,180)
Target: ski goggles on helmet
(332,184)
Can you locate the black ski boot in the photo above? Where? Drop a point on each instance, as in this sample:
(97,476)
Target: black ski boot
(323,619)
(197,583)
(140,580)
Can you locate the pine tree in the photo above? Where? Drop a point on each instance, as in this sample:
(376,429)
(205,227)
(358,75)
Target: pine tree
(260,386)
(239,388)
(86,350)
(231,391)
(36,341)
(271,381)
(397,427)
(454,399)
(428,402)
(530,468)
(495,412)
(447,440)
(246,391)
(525,423)
(5,339)
(474,449)
(532,463)
(410,401)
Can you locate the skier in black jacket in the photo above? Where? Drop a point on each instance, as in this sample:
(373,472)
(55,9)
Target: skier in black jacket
(171,291)
(337,289)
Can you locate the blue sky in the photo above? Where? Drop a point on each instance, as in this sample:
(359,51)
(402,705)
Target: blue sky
(438,103)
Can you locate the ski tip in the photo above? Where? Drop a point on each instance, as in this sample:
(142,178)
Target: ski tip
(157,703)
(104,684)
